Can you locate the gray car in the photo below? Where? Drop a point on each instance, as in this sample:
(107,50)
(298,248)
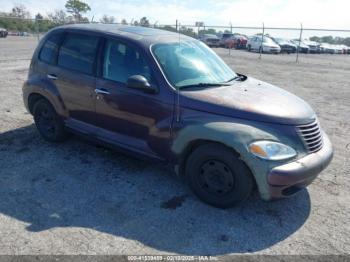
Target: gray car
(210,40)
(3,32)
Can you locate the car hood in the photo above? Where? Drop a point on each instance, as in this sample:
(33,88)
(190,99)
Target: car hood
(270,45)
(251,99)
(286,44)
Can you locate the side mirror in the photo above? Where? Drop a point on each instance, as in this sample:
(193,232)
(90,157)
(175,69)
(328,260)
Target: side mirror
(141,83)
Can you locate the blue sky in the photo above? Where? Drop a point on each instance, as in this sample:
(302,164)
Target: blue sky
(274,13)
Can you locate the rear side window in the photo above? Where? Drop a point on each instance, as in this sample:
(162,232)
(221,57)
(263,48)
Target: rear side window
(49,50)
(78,53)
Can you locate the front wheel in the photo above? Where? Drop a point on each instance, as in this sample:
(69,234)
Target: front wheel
(217,175)
(48,123)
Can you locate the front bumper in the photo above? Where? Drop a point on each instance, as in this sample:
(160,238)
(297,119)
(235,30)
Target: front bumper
(286,180)
(272,50)
(212,44)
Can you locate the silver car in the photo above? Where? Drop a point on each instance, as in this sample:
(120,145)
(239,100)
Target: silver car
(264,44)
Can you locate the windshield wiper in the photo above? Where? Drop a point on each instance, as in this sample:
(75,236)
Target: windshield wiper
(237,77)
(202,85)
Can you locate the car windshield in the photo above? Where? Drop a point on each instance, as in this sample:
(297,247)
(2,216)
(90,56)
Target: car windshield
(191,63)
(210,36)
(268,40)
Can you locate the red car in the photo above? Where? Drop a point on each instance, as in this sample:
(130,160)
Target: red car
(236,41)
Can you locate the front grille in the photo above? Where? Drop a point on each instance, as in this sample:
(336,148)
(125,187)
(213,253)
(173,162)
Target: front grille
(311,135)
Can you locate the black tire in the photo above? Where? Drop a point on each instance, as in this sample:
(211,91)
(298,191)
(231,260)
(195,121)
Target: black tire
(48,123)
(249,48)
(217,175)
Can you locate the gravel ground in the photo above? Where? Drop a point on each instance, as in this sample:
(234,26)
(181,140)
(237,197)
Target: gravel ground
(78,198)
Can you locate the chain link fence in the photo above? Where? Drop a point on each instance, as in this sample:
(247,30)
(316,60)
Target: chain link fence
(39,26)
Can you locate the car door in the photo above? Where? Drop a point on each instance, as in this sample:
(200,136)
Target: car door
(75,78)
(128,117)
(256,43)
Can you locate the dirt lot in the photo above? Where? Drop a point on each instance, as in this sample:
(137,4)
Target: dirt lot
(77,198)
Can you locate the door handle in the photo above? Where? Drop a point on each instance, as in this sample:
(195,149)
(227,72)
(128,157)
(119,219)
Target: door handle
(52,76)
(101,91)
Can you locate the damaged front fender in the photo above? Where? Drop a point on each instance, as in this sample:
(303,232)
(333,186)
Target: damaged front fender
(238,135)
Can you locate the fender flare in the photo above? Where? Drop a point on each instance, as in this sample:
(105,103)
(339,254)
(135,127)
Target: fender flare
(235,136)
(48,90)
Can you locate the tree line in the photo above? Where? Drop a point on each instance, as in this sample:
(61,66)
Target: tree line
(19,19)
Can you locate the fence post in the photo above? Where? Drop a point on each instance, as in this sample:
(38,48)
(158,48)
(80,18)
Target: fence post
(262,40)
(37,28)
(176,24)
(300,36)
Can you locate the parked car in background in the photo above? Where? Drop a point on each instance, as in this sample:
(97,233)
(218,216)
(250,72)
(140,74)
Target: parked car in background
(264,44)
(224,37)
(24,34)
(237,41)
(286,45)
(314,46)
(3,32)
(326,48)
(346,49)
(12,33)
(136,89)
(210,40)
(301,46)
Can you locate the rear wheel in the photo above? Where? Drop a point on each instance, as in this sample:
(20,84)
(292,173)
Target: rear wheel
(249,48)
(217,176)
(48,123)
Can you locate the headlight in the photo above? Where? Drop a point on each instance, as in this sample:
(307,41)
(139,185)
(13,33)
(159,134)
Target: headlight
(271,150)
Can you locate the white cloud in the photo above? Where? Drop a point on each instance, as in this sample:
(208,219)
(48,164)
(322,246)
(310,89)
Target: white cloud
(282,13)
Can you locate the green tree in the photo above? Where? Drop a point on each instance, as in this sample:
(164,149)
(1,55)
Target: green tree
(124,22)
(211,31)
(59,17)
(77,8)
(168,28)
(144,22)
(107,19)
(20,11)
(187,31)
(38,17)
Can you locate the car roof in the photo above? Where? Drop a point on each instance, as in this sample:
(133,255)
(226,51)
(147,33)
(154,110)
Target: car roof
(146,35)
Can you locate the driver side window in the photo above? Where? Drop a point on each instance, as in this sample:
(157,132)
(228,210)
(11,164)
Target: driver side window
(122,61)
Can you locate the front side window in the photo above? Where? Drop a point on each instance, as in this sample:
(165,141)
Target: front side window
(49,50)
(122,61)
(78,53)
(191,63)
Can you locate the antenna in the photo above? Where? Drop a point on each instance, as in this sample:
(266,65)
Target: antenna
(178,90)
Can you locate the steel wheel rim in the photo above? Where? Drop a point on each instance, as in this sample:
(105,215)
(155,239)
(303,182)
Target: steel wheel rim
(216,177)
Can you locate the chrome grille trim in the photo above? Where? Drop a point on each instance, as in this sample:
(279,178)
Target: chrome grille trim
(311,136)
